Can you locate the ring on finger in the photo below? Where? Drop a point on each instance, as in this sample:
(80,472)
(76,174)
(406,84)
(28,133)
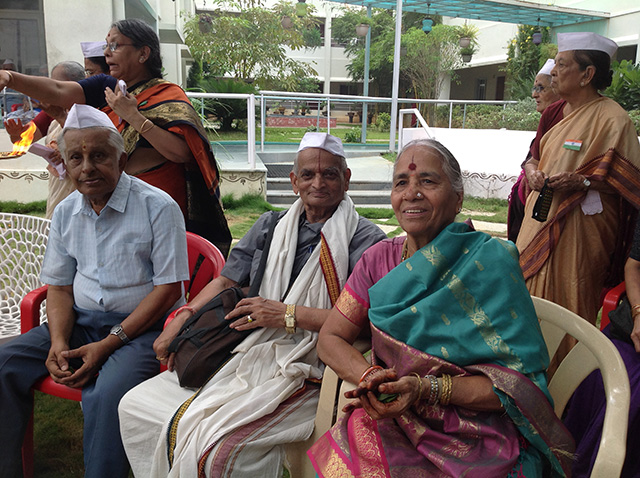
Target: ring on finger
(249,319)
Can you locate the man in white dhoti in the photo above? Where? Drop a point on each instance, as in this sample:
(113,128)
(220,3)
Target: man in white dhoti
(262,398)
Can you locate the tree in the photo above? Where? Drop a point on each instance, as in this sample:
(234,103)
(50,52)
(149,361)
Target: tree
(382,26)
(247,41)
(524,60)
(429,58)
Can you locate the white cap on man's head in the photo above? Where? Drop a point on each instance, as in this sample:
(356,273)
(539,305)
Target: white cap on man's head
(91,49)
(323,141)
(586,41)
(85,116)
(547,67)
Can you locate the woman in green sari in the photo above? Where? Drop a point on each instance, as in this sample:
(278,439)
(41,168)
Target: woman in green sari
(458,384)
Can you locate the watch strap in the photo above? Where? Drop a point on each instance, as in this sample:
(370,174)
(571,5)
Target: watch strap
(290,319)
(118,331)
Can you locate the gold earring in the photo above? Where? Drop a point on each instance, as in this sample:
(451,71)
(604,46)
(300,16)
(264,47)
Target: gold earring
(582,83)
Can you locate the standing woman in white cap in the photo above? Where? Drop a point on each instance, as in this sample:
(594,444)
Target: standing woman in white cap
(164,137)
(590,159)
(94,61)
(544,96)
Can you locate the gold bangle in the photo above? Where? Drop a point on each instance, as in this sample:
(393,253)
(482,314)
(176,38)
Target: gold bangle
(142,130)
(419,387)
(635,310)
(10,77)
(447,388)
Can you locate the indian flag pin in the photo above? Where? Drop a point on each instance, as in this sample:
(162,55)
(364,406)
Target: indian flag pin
(574,144)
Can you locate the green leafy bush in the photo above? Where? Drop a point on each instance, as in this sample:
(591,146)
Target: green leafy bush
(353,136)
(625,85)
(521,116)
(383,122)
(635,117)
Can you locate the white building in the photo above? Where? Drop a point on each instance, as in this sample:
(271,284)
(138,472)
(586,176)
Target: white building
(38,34)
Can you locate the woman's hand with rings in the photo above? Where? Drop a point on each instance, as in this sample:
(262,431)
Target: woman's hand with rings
(254,312)
(406,388)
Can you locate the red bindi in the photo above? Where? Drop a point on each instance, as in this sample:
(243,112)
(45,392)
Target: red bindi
(412,166)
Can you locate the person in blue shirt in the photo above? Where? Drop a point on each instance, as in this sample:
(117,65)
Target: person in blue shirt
(114,263)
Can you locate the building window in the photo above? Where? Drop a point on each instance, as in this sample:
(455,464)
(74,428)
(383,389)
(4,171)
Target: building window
(481,89)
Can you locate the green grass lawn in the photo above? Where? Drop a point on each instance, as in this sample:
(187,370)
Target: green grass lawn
(294,135)
(58,422)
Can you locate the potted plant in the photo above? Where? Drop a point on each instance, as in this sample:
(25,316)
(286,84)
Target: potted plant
(362,28)
(467,53)
(205,23)
(467,35)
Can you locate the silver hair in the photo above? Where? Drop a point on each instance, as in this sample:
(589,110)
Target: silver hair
(547,78)
(114,140)
(343,163)
(450,164)
(72,70)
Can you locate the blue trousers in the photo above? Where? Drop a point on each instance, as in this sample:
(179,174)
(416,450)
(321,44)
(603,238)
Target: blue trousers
(22,363)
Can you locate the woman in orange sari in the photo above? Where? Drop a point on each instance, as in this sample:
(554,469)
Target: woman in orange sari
(591,161)
(165,139)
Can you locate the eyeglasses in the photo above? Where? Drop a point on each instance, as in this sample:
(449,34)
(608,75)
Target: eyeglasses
(113,46)
(535,89)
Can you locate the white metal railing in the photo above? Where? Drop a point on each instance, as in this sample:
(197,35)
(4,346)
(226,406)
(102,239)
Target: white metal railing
(326,100)
(421,120)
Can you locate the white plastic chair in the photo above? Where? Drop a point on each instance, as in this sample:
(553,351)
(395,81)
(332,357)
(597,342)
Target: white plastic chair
(23,240)
(594,350)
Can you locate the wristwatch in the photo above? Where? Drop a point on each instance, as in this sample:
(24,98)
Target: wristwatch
(118,331)
(586,183)
(290,319)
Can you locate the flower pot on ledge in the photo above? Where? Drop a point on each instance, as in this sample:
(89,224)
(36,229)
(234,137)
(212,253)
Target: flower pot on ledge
(466,58)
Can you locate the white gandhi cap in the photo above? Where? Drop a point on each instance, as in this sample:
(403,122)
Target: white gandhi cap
(547,67)
(85,116)
(323,141)
(586,41)
(91,49)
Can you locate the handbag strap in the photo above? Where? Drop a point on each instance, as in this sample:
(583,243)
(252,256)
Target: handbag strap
(257,280)
(196,268)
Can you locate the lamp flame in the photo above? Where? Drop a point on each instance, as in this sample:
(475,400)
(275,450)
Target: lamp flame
(26,138)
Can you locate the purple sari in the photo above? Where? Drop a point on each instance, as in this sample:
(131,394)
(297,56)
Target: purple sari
(487,328)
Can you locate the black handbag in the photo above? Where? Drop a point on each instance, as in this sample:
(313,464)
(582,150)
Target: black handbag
(621,321)
(205,341)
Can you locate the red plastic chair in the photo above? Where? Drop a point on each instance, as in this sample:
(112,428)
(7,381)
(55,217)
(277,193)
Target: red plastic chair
(209,261)
(611,302)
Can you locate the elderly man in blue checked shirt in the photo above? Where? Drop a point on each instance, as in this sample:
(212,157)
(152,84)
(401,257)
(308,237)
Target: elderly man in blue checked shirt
(114,263)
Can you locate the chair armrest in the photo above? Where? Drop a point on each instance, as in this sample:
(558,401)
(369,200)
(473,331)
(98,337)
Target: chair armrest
(30,308)
(610,303)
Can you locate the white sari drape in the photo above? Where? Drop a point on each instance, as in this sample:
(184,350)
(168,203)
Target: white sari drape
(269,365)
